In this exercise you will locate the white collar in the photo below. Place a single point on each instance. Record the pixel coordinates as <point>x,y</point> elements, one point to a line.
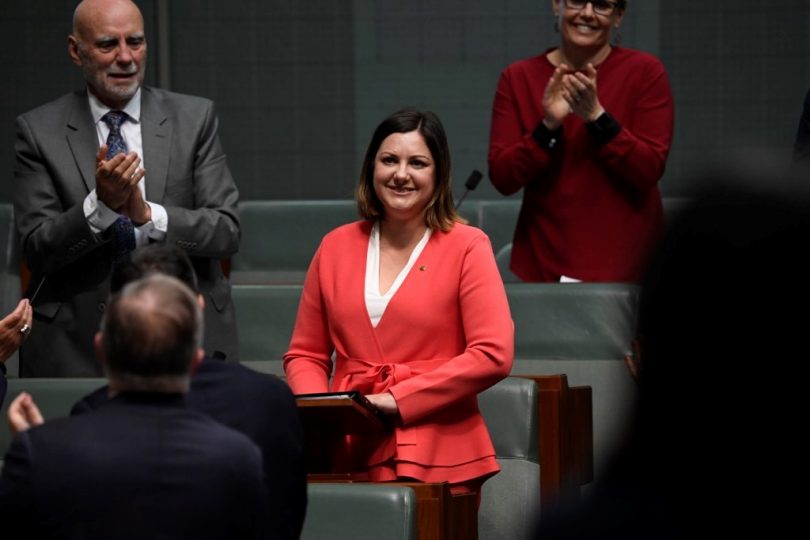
<point>98,109</point>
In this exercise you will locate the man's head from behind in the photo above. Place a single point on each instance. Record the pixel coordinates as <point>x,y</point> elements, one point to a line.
<point>151,336</point>
<point>109,45</point>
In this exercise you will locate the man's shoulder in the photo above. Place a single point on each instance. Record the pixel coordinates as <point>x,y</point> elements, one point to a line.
<point>173,100</point>
<point>127,431</point>
<point>236,378</point>
<point>91,401</point>
<point>56,109</point>
<point>126,414</point>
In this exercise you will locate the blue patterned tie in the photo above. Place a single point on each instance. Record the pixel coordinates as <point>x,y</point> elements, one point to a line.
<point>123,232</point>
<point>115,142</point>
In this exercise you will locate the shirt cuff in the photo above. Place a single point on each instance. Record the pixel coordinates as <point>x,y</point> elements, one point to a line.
<point>155,229</point>
<point>99,216</point>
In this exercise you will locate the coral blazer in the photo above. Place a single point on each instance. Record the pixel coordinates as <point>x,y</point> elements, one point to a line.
<point>446,335</point>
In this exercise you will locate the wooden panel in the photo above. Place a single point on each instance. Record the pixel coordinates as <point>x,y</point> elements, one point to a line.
<point>565,439</point>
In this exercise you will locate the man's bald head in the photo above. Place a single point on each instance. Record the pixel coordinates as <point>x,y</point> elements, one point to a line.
<point>109,45</point>
<point>89,12</point>
<point>151,334</point>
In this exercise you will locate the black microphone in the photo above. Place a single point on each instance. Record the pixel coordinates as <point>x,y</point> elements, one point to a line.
<point>471,183</point>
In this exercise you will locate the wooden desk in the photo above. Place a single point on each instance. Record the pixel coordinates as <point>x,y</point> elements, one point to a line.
<point>440,515</point>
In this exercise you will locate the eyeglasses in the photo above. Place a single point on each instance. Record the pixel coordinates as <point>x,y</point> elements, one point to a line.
<point>601,7</point>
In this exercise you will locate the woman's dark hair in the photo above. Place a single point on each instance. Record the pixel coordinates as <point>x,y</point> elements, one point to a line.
<point>440,213</point>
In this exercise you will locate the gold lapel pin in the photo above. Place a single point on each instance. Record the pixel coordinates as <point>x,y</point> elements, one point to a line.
<point>422,268</point>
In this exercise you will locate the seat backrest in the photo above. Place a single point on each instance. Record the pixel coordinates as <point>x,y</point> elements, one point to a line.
<point>265,317</point>
<point>279,238</point>
<point>583,330</point>
<point>502,258</point>
<point>510,501</point>
<point>359,512</point>
<point>498,220</point>
<point>54,397</point>
<point>471,211</point>
<point>573,320</point>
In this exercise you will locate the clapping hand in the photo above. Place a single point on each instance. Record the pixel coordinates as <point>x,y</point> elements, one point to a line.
<point>136,209</point>
<point>579,92</point>
<point>555,104</point>
<point>117,178</point>
<point>23,413</point>
<point>14,329</point>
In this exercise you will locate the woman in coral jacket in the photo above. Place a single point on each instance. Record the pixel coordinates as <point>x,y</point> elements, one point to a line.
<point>584,129</point>
<point>411,303</point>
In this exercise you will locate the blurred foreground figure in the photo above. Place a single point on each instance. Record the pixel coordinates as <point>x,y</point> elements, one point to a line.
<point>716,445</point>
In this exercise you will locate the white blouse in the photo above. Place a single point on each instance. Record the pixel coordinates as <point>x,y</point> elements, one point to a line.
<point>376,302</point>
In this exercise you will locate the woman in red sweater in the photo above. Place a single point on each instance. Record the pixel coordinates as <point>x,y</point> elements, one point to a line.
<point>584,129</point>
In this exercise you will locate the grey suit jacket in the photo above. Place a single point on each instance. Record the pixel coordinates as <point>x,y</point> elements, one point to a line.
<point>187,173</point>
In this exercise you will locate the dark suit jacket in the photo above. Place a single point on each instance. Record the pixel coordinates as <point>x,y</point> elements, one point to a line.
<point>144,466</point>
<point>263,408</point>
<point>54,171</point>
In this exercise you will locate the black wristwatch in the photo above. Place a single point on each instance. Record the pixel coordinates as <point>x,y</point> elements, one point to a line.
<point>604,128</point>
<point>550,140</point>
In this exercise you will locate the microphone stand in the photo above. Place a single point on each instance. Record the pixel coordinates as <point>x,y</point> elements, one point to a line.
<point>471,183</point>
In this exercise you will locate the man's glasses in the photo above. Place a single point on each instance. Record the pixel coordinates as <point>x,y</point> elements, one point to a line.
<point>601,7</point>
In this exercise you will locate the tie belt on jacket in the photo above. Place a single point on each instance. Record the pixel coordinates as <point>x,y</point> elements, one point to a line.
<point>373,378</point>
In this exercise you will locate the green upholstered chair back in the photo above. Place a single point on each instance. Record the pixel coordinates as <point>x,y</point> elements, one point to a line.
<point>498,219</point>
<point>509,408</point>
<point>359,512</point>
<point>54,397</point>
<point>583,330</point>
<point>471,211</point>
<point>265,316</point>
<point>511,499</point>
<point>503,258</point>
<point>573,320</point>
<point>279,238</point>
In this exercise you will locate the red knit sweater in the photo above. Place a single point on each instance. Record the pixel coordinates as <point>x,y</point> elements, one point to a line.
<point>589,212</point>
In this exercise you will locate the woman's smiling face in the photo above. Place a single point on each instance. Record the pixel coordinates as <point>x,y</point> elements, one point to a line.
<point>404,175</point>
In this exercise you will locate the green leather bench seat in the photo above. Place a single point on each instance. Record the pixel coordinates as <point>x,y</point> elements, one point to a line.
<point>359,512</point>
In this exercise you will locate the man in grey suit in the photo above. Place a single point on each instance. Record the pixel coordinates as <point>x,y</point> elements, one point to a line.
<point>95,168</point>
